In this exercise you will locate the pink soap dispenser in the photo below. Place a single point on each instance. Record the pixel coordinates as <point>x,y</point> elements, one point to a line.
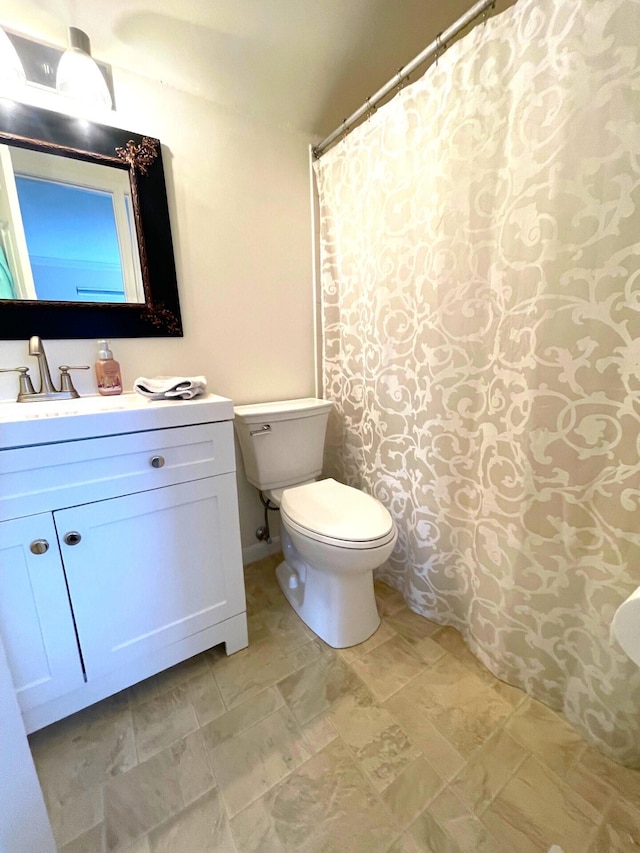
<point>107,371</point>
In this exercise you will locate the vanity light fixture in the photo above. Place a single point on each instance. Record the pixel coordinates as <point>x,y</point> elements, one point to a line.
<point>11,71</point>
<point>78,76</point>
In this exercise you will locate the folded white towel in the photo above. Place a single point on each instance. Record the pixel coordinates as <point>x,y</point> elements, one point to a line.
<point>170,387</point>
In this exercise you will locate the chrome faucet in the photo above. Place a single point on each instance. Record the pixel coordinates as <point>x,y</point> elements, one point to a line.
<point>36,349</point>
<point>47,390</point>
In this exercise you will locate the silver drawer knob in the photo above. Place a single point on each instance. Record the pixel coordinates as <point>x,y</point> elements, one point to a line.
<point>72,537</point>
<point>157,461</point>
<point>39,546</point>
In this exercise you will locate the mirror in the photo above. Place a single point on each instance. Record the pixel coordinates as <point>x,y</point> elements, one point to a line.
<point>66,230</point>
<point>85,238</point>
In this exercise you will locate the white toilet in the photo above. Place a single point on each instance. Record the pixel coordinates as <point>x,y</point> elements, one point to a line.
<point>333,536</point>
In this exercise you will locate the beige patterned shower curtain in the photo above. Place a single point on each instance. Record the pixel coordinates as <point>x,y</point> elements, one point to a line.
<point>480,255</point>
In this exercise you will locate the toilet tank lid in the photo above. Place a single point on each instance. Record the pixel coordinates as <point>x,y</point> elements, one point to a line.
<point>337,511</point>
<point>305,407</point>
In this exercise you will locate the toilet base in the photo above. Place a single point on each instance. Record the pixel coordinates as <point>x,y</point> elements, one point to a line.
<point>340,610</point>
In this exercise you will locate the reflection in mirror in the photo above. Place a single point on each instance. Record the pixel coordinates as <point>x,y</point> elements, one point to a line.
<point>67,230</point>
<point>102,268</point>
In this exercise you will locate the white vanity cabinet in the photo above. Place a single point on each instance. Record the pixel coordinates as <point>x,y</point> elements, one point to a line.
<point>120,553</point>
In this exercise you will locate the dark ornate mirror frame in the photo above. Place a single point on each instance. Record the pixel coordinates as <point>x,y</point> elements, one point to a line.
<point>159,316</point>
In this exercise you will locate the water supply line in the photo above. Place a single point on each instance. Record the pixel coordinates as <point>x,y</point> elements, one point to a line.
<point>263,533</point>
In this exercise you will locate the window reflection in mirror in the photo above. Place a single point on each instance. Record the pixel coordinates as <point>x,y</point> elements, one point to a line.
<point>67,230</point>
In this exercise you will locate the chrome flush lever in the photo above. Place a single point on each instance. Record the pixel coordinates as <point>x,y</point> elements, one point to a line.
<point>265,428</point>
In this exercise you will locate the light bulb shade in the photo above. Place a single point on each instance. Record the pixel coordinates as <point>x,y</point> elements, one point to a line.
<point>11,70</point>
<point>78,76</point>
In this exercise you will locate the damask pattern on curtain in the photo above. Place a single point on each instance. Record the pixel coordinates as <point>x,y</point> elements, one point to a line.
<point>480,254</point>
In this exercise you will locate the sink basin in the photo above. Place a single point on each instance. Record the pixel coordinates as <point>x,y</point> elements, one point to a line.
<point>24,424</point>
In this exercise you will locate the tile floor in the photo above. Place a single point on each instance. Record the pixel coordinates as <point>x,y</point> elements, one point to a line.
<point>400,745</point>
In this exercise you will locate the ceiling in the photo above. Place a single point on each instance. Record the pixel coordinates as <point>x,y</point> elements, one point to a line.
<point>304,64</point>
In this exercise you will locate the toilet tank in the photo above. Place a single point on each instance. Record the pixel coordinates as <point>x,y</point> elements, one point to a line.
<point>282,443</point>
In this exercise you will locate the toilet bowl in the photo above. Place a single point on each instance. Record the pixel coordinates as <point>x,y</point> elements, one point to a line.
<point>333,536</point>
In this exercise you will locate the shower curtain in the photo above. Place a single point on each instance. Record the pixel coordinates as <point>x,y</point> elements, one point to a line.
<point>480,267</point>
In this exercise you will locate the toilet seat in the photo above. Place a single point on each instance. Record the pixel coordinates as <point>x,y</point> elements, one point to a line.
<point>338,515</point>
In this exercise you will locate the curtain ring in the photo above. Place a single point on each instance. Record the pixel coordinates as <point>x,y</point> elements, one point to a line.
<point>370,110</point>
<point>402,80</point>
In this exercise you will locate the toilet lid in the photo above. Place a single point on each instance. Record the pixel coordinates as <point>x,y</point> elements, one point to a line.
<point>332,510</point>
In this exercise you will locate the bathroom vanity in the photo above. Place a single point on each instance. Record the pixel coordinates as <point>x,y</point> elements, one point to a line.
<point>119,544</point>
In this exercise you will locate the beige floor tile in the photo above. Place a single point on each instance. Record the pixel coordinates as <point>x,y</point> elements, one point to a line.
<point>545,734</point>
<point>242,717</point>
<point>255,830</point>
<point>189,762</point>
<point>417,631</point>
<point>432,838</point>
<point>77,814</point>
<point>388,667</point>
<point>358,719</point>
<point>94,842</point>
<point>314,761</point>
<point>139,846</point>
<point>287,626</point>
<point>405,844</point>
<point>261,586</point>
<point>383,633</point>
<point>143,691</point>
<point>620,830</point>
<point>412,790</point>
<point>202,827</point>
<point>256,628</point>
<point>83,750</point>
<point>319,731</point>
<point>452,642</point>
<point>89,842</point>
<point>181,672</point>
<point>488,769</point>
<point>317,687</point>
<point>416,723</point>
<point>385,756</point>
<point>249,671</point>
<point>389,600</point>
<point>463,709</point>
<point>138,801</point>
<point>308,652</point>
<point>323,807</point>
<point>204,696</point>
<point>624,780</point>
<point>380,746</point>
<point>591,788</point>
<point>535,809</point>
<point>162,720</point>
<point>463,827</point>
<point>258,758</point>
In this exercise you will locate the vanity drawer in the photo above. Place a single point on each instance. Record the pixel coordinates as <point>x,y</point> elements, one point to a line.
<point>51,476</point>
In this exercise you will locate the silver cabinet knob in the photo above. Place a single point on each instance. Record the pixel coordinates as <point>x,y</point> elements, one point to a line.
<point>39,546</point>
<point>157,461</point>
<point>72,537</point>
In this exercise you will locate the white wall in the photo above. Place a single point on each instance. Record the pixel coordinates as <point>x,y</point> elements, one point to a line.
<point>240,214</point>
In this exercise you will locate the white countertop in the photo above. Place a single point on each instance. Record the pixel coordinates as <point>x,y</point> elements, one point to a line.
<point>23,424</point>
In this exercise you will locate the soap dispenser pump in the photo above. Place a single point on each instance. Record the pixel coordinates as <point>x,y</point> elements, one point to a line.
<point>107,371</point>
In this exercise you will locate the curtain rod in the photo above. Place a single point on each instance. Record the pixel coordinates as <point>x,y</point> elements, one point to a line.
<point>437,46</point>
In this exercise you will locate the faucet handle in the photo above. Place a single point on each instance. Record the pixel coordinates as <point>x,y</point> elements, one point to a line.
<point>26,385</point>
<point>66,383</point>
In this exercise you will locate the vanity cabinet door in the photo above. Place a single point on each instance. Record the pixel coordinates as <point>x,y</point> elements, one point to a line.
<point>35,617</point>
<point>149,569</point>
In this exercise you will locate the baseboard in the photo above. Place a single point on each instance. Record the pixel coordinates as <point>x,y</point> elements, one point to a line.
<point>260,550</point>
